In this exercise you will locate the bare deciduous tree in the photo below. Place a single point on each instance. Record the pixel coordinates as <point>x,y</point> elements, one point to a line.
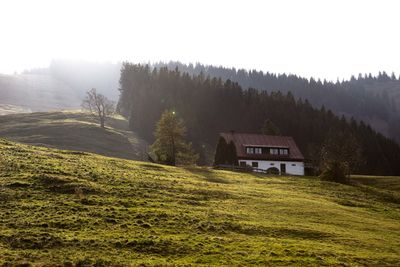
<point>99,105</point>
<point>341,154</point>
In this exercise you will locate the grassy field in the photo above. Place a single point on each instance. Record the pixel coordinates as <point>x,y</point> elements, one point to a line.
<point>74,131</point>
<point>78,209</point>
<point>383,182</point>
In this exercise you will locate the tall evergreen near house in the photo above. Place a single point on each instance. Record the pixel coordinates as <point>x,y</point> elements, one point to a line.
<point>232,156</point>
<point>225,154</point>
<point>220,152</point>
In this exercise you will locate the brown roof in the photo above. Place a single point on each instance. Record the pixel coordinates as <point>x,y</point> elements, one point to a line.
<point>241,140</point>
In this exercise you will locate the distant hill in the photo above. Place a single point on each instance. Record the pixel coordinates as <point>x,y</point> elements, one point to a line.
<point>74,131</point>
<point>82,76</point>
<point>36,92</point>
<point>80,209</point>
<point>61,86</point>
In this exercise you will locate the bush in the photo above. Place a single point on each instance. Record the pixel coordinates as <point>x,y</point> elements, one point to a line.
<point>335,172</point>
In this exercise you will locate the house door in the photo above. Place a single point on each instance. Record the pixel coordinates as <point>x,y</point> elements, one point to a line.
<point>283,168</point>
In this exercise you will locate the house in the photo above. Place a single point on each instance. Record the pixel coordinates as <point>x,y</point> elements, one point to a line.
<point>274,154</point>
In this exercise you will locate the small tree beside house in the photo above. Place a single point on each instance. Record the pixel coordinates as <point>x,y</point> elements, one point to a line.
<point>170,146</point>
<point>98,105</point>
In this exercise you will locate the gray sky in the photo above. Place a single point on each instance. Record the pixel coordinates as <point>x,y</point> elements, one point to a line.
<point>322,38</point>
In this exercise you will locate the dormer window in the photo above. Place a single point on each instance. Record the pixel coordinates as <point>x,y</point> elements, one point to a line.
<point>250,150</point>
<point>274,151</point>
<point>254,150</point>
<point>267,151</point>
<point>284,151</point>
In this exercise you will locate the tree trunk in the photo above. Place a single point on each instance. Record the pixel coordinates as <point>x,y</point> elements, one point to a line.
<point>173,152</point>
<point>102,122</point>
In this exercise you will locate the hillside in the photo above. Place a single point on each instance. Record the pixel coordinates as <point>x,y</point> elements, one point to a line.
<point>65,208</point>
<point>36,92</point>
<point>61,86</point>
<point>74,131</point>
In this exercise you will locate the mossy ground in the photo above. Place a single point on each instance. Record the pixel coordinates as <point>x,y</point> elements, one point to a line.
<point>72,208</point>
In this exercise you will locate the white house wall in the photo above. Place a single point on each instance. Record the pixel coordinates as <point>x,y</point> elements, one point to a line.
<point>292,167</point>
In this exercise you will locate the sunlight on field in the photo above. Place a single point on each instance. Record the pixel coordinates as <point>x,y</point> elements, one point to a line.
<point>78,208</point>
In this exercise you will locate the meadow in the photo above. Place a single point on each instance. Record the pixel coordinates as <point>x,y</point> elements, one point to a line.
<point>74,130</point>
<point>69,208</point>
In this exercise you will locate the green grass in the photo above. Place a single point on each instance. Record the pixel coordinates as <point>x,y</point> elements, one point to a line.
<point>74,131</point>
<point>383,182</point>
<point>70,208</point>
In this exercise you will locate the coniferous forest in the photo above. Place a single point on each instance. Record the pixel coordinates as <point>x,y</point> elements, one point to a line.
<point>212,105</point>
<point>366,97</point>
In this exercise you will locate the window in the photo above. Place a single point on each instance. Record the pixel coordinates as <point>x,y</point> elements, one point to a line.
<point>253,150</point>
<point>293,164</point>
<point>283,151</point>
<point>274,151</point>
<point>243,163</point>
<point>250,150</point>
<point>254,164</point>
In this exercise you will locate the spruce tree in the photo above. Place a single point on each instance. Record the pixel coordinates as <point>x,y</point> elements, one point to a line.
<point>220,152</point>
<point>170,145</point>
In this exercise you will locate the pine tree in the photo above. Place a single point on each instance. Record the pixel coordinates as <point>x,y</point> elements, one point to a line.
<point>170,145</point>
<point>220,152</point>
<point>231,154</point>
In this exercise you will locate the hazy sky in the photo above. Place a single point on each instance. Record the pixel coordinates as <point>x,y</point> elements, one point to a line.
<point>322,38</point>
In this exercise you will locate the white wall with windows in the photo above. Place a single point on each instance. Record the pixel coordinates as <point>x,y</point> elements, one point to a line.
<point>292,167</point>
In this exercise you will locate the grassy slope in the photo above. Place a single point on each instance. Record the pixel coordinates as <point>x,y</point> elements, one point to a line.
<point>132,213</point>
<point>383,182</point>
<point>73,131</point>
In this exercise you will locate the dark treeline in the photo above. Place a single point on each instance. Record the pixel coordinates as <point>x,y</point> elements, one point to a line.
<point>366,97</point>
<point>211,105</point>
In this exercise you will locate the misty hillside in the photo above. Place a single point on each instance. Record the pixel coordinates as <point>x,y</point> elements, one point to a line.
<point>35,92</point>
<point>83,75</point>
<point>61,86</point>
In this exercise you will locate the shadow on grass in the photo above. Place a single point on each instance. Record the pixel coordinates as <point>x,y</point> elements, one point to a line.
<point>207,174</point>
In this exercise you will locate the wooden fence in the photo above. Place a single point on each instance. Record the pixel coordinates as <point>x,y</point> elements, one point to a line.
<point>242,169</point>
